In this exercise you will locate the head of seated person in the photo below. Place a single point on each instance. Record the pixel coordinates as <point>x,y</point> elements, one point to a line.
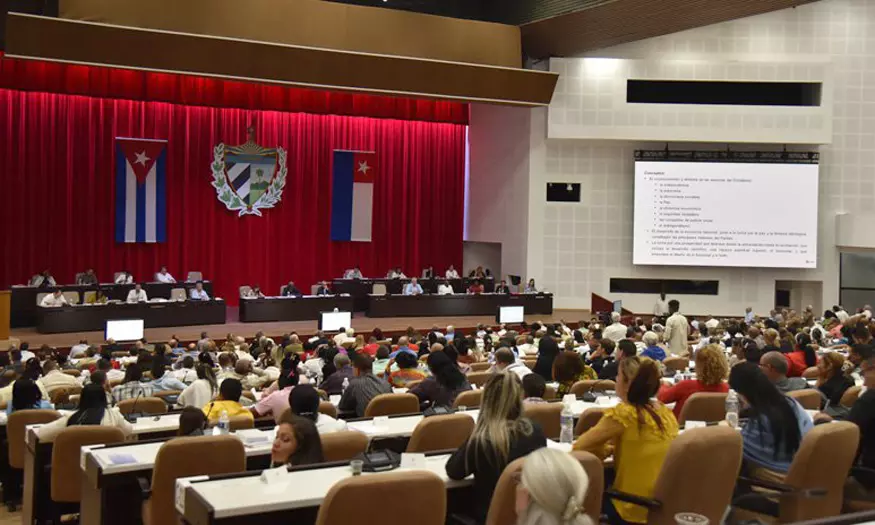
<point>552,490</point>
<point>92,406</point>
<point>504,358</point>
<point>26,395</point>
<point>192,422</point>
<point>297,442</point>
<point>133,373</point>
<point>534,387</point>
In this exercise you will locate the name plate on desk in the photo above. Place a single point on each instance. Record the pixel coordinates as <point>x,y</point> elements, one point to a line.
<point>416,461</point>
<point>381,421</point>
<point>181,485</point>
<point>272,476</point>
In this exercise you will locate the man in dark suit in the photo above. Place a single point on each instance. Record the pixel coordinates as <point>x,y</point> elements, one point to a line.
<point>502,287</point>
<point>290,290</point>
<point>323,289</point>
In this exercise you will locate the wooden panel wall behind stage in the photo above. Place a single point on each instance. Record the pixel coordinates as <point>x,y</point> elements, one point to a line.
<point>316,23</point>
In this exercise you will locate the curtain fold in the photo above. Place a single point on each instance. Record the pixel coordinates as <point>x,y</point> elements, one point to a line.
<point>57,173</point>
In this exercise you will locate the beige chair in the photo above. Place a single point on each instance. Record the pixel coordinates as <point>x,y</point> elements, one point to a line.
<point>850,396</point>
<point>184,457</point>
<point>809,398</point>
<point>441,433</point>
<point>478,378</point>
<point>595,471</point>
<point>40,296</point>
<point>61,396</point>
<point>71,296</point>
<point>66,472</point>
<point>820,468</point>
<point>595,385</point>
<point>244,291</point>
<point>588,419</point>
<point>424,498</point>
<point>704,406</point>
<point>164,394</point>
<point>194,277</point>
<point>468,398</point>
<point>546,415</point>
<point>143,405</point>
<point>328,408</point>
<point>390,404</point>
<point>811,373</point>
<point>675,364</point>
<point>343,445</point>
<point>480,367</point>
<point>549,393</point>
<point>378,289</point>
<point>72,372</point>
<point>240,423</point>
<point>89,297</point>
<point>314,289</point>
<point>178,294</point>
<point>15,425</point>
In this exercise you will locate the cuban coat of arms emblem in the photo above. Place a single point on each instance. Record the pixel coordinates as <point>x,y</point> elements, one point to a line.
<point>249,177</point>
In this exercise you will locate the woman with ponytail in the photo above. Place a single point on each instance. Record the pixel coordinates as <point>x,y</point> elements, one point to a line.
<point>638,431</point>
<point>552,489</point>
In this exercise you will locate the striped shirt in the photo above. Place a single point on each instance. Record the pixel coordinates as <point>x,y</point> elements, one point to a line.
<point>131,390</point>
<point>360,391</point>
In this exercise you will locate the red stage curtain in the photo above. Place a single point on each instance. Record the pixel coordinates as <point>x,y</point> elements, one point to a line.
<point>57,175</point>
<point>52,77</point>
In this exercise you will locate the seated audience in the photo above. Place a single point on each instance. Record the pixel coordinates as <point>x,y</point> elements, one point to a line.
<point>548,350</point>
<point>445,383</point>
<point>534,389</point>
<point>711,372</point>
<point>131,387</point>
<point>202,390</point>
<point>802,357</point>
<point>775,366</point>
<point>304,401</point>
<point>363,387</point>
<point>408,371</point>
<point>26,395</point>
<point>832,380</point>
<point>616,330</point>
<point>505,361</point>
<point>500,436</point>
<point>382,361</point>
<point>53,379</point>
<point>333,383</point>
<point>552,490</point>
<point>625,348</point>
<point>297,442</point>
<point>277,402</point>
<point>186,373</point>
<point>228,401</point>
<point>162,381</point>
<point>651,347</point>
<point>568,369</point>
<point>192,422</point>
<point>640,430</point>
<point>92,411</point>
<point>603,355</point>
<point>776,423</point>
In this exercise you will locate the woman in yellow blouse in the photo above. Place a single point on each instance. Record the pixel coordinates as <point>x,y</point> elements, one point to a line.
<point>638,431</point>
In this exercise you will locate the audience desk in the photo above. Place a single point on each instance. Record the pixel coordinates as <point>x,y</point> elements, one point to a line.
<point>455,305</point>
<point>360,289</point>
<point>306,308</point>
<point>25,306</point>
<point>86,318</point>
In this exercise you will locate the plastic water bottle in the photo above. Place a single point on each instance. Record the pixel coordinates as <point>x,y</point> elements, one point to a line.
<point>678,377</point>
<point>732,409</point>
<point>224,423</point>
<point>566,424</point>
<point>345,384</point>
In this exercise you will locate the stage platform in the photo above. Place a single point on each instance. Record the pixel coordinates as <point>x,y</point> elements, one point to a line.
<point>361,323</point>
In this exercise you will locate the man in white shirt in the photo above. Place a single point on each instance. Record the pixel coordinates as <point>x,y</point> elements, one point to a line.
<point>355,273</point>
<point>528,347</point>
<point>343,335</point>
<point>77,351</point>
<point>616,330</point>
<point>505,361</point>
<point>451,333</point>
<point>445,289</point>
<point>54,379</point>
<point>55,298</point>
<point>413,288</point>
<point>42,280</point>
<point>841,314</point>
<point>124,277</point>
<point>198,293</point>
<point>711,323</point>
<point>661,307</point>
<point>164,276</point>
<point>677,330</point>
<point>137,295</point>
<point>452,273</point>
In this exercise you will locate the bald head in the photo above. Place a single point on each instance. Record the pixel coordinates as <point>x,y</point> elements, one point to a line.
<point>403,341</point>
<point>774,365</point>
<point>437,347</point>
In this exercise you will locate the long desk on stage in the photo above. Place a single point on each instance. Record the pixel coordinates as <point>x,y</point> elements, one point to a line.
<point>360,289</point>
<point>460,304</point>
<point>25,307</point>
<point>88,318</point>
<point>306,308</point>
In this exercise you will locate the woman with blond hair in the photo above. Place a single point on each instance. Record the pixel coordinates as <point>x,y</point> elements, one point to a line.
<point>831,379</point>
<point>638,431</point>
<point>552,489</point>
<point>711,372</point>
<point>500,436</point>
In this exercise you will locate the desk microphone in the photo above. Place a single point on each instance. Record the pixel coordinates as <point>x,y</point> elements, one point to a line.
<point>132,415</point>
<point>589,396</point>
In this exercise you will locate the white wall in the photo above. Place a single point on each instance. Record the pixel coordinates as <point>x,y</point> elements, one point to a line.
<point>574,250</point>
<point>498,187</point>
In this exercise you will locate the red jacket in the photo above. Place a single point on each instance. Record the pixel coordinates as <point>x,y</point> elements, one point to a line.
<point>796,362</point>
<point>679,393</point>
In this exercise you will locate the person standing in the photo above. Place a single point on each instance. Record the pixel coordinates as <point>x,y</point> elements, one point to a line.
<point>677,330</point>
<point>660,309</point>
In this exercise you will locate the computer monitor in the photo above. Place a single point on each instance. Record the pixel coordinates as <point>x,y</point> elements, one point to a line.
<point>125,329</point>
<point>510,314</point>
<point>334,321</point>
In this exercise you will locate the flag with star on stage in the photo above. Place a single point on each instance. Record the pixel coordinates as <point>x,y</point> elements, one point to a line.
<point>140,190</point>
<point>352,195</point>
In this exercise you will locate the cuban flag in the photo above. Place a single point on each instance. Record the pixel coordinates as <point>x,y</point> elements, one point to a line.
<point>352,195</point>
<point>140,190</point>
